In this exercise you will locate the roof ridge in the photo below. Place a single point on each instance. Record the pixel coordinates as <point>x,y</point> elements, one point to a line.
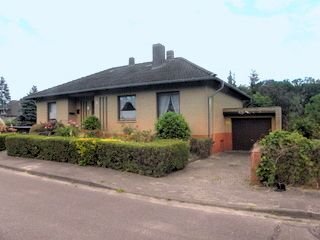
<point>108,69</point>
<point>196,66</point>
<point>122,67</point>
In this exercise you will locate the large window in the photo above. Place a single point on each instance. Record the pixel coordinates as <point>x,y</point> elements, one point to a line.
<point>127,108</point>
<point>52,111</point>
<point>168,102</point>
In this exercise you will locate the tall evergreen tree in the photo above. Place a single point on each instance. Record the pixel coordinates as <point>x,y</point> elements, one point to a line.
<point>4,96</point>
<point>232,79</point>
<point>28,115</point>
<point>254,79</point>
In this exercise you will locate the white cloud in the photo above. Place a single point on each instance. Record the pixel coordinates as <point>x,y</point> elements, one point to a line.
<point>272,5</point>
<point>236,3</point>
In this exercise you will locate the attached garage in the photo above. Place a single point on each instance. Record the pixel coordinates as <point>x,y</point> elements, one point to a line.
<point>246,131</point>
<point>248,125</point>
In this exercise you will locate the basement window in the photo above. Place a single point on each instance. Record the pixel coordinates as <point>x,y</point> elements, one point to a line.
<point>127,108</point>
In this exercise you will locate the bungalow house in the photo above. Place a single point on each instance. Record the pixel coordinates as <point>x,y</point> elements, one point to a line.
<point>138,93</point>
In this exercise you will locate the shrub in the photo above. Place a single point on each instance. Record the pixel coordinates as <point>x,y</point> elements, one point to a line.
<point>303,126</point>
<point>307,127</point>
<point>11,122</point>
<point>47,128</point>
<point>201,146</point>
<point>315,158</point>
<point>37,128</point>
<point>285,158</point>
<point>86,149</point>
<point>172,126</point>
<point>91,134</point>
<point>66,131</point>
<point>154,159</point>
<point>3,140</point>
<point>69,130</point>
<point>266,171</point>
<point>136,135</point>
<point>52,125</point>
<point>3,128</point>
<point>91,123</point>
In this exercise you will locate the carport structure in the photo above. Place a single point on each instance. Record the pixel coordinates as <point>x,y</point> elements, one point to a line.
<point>248,125</point>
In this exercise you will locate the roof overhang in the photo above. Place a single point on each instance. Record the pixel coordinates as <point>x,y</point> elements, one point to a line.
<point>212,81</point>
<point>247,112</point>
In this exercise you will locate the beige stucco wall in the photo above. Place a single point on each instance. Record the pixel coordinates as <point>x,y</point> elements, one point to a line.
<point>278,119</point>
<point>62,110</point>
<point>193,106</point>
<point>42,111</point>
<point>221,101</point>
<point>145,113</point>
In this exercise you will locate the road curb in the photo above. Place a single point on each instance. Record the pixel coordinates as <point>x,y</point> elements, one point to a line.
<point>298,214</point>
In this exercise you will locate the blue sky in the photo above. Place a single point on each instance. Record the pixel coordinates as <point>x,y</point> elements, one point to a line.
<point>45,43</point>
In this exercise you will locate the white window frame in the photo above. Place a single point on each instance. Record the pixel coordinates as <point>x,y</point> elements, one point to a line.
<point>52,111</point>
<point>168,94</point>
<point>120,115</point>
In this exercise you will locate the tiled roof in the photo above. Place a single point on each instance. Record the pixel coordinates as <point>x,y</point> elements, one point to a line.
<point>173,70</point>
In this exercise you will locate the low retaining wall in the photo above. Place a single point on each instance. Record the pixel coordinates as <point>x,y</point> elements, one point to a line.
<point>255,159</point>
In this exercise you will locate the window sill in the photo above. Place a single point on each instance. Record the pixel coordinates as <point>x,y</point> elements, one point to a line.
<point>127,121</point>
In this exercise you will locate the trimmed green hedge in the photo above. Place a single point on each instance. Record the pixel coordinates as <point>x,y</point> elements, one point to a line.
<point>3,140</point>
<point>154,159</point>
<point>201,146</point>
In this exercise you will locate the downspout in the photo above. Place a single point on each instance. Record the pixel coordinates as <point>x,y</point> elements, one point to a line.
<point>210,108</point>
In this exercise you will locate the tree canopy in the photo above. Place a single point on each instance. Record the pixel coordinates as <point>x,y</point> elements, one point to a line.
<point>296,97</point>
<point>254,79</point>
<point>232,79</point>
<point>4,96</point>
<point>28,115</point>
<point>312,109</point>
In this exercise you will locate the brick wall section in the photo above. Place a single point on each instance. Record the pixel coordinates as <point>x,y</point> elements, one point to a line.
<point>223,142</point>
<point>255,159</point>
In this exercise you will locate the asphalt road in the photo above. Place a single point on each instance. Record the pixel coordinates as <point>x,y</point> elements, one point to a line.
<point>33,208</point>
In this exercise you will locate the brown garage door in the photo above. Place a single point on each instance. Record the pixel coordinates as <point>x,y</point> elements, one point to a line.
<point>246,131</point>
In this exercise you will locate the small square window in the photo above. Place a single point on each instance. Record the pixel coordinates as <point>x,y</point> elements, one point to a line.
<point>168,102</point>
<point>127,108</point>
<point>52,111</point>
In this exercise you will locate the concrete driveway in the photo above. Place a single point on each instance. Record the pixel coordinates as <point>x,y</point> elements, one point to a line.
<point>221,180</point>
